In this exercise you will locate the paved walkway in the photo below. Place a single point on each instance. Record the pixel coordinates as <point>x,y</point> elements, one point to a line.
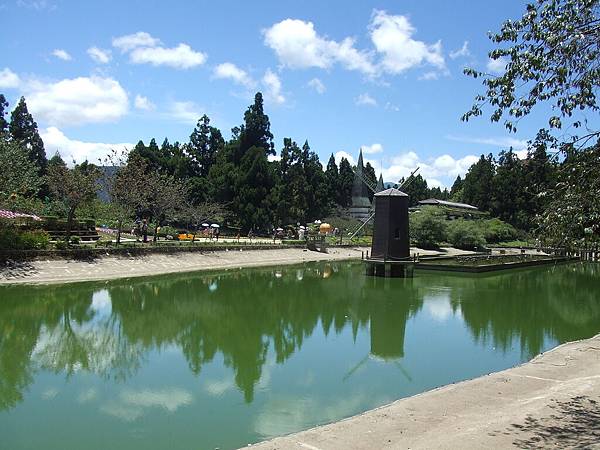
<point>551,402</point>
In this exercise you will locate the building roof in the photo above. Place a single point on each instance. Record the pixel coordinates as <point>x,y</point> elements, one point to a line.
<point>391,192</point>
<point>435,201</point>
<point>6,214</point>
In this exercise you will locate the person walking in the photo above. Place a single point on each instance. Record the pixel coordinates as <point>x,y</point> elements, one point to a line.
<point>145,230</point>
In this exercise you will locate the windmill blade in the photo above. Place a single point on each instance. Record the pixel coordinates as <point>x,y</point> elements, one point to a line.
<point>409,179</point>
<point>363,224</point>
<point>365,180</point>
<point>404,371</point>
<point>356,367</point>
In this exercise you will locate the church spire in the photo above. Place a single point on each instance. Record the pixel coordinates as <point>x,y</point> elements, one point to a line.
<point>380,187</point>
<point>359,165</point>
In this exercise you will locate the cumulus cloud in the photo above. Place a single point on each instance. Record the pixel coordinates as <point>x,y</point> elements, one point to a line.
<point>272,85</point>
<point>392,37</point>
<point>185,112</point>
<point>61,54</point>
<point>461,52</point>
<point>9,79</point>
<point>298,45</point>
<point>74,150</point>
<point>234,73</point>
<point>317,85</point>
<point>143,103</point>
<point>180,57</point>
<point>370,149</point>
<point>130,41</point>
<point>365,100</point>
<point>444,166</point>
<point>497,66</point>
<point>342,154</point>
<point>76,101</point>
<point>146,49</point>
<point>99,55</point>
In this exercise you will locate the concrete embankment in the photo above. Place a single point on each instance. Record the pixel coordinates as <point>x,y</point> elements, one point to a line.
<point>46,271</point>
<point>552,401</point>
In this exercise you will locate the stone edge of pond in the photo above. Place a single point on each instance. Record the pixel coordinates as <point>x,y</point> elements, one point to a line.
<point>496,410</point>
<point>494,267</point>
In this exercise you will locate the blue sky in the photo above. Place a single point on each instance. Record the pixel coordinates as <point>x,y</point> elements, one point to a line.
<point>385,75</point>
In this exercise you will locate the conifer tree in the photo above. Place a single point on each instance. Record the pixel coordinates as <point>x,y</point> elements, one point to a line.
<point>23,129</point>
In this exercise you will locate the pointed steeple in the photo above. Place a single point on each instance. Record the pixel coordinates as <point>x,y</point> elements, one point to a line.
<point>380,187</point>
<point>359,165</point>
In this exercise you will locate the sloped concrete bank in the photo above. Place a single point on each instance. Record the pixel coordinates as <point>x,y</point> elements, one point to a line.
<point>552,401</point>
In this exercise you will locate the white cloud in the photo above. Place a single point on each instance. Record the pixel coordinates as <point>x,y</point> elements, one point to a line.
<point>272,85</point>
<point>185,112</point>
<point>392,37</point>
<point>428,76</point>
<point>317,85</point>
<point>444,166</point>
<point>501,142</point>
<point>365,99</point>
<point>143,103</point>
<point>71,149</point>
<point>461,52</point>
<point>146,49</point>
<point>76,101</point>
<point>129,42</point>
<point>298,46</point>
<point>61,54</point>
<point>370,149</point>
<point>342,154</point>
<point>497,66</point>
<point>231,71</point>
<point>180,57</point>
<point>99,55</point>
<point>38,5</point>
<point>9,79</point>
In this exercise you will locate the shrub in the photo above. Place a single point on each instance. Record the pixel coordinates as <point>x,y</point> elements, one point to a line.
<point>36,239</point>
<point>428,227</point>
<point>465,235</point>
<point>495,230</point>
<point>75,240</point>
<point>60,245</point>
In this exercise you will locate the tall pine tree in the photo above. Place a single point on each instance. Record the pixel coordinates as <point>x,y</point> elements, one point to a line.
<point>23,129</point>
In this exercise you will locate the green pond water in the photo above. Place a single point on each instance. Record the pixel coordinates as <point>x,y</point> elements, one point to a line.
<point>200,361</point>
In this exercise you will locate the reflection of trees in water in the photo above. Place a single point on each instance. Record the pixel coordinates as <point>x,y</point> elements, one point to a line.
<point>527,306</point>
<point>244,314</point>
<point>55,329</point>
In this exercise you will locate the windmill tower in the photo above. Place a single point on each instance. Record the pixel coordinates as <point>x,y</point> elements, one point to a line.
<point>361,205</point>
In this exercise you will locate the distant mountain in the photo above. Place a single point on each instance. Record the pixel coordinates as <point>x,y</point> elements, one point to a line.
<point>107,172</point>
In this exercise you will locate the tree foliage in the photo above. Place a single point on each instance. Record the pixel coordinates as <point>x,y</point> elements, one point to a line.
<point>19,176</point>
<point>552,55</point>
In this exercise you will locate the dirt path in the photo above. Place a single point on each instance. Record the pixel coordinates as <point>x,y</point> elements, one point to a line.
<point>551,402</point>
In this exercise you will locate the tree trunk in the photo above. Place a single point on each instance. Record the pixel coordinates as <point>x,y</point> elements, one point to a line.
<point>119,225</point>
<point>70,215</point>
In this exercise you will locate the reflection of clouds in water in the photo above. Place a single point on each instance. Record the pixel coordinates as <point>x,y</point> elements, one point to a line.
<point>219,387</point>
<point>49,393</point>
<point>284,414</point>
<point>213,286</point>
<point>437,304</point>
<point>101,303</point>
<point>132,404</point>
<point>87,395</point>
